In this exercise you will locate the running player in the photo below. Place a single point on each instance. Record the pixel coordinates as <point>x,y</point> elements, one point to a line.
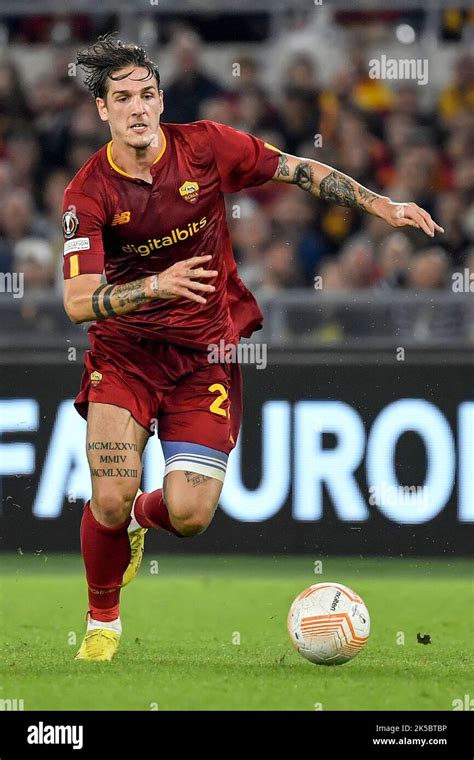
<point>147,210</point>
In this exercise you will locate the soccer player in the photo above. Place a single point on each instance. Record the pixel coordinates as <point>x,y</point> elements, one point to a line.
<point>148,211</point>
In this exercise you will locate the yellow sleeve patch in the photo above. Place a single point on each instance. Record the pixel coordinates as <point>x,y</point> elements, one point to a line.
<point>272,147</point>
<point>74,266</point>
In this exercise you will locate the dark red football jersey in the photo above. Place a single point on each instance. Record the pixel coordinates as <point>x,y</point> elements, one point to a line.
<point>130,228</point>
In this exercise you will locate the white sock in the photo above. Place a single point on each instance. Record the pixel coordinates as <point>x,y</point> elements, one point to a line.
<point>134,524</point>
<point>113,625</point>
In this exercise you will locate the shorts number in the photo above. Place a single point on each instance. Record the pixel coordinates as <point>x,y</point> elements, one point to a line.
<point>216,406</point>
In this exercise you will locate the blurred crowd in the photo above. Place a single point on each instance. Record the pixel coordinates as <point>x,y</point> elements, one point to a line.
<point>381,133</point>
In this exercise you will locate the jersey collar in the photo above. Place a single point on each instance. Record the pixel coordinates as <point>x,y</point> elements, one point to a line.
<point>130,176</point>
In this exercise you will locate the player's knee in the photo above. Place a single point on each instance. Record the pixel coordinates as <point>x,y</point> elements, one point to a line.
<point>113,505</point>
<point>192,525</point>
<point>191,518</point>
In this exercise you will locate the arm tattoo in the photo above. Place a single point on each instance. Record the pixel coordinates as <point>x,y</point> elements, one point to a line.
<point>95,301</point>
<point>155,284</point>
<point>283,168</point>
<point>155,287</point>
<point>335,187</point>
<point>303,176</point>
<point>131,293</point>
<point>128,293</point>
<point>338,188</point>
<point>107,304</point>
<point>367,195</point>
<point>195,478</point>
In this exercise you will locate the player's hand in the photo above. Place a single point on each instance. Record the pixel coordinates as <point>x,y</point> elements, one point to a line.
<point>181,280</point>
<point>409,215</point>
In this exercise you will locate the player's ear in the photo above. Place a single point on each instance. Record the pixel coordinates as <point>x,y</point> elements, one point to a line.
<point>162,102</point>
<point>102,108</point>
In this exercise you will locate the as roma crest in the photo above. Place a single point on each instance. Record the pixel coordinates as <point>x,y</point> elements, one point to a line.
<point>95,378</point>
<point>189,190</point>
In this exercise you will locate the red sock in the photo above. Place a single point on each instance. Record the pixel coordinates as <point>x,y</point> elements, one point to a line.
<point>106,554</point>
<point>151,512</point>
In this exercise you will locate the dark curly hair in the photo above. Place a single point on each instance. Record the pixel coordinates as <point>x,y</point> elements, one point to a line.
<point>107,55</point>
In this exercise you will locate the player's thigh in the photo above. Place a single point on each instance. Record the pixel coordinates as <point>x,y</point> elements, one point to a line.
<point>115,444</point>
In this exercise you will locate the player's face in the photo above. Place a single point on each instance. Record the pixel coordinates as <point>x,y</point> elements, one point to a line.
<point>132,107</point>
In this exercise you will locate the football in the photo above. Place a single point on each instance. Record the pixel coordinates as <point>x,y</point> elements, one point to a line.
<point>328,624</point>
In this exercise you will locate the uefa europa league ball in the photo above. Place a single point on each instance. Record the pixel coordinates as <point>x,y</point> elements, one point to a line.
<point>328,624</point>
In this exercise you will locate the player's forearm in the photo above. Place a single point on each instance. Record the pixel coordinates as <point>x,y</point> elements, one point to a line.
<point>329,184</point>
<point>86,302</point>
<point>109,301</point>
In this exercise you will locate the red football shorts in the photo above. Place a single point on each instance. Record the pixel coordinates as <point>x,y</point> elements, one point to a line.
<point>195,406</point>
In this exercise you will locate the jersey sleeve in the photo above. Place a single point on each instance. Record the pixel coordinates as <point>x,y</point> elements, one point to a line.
<point>242,160</point>
<point>83,222</point>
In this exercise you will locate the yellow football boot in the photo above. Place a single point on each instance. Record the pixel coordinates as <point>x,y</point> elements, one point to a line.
<point>99,645</point>
<point>137,545</point>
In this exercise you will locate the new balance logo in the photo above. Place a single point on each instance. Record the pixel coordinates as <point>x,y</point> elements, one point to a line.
<point>122,217</point>
<point>42,734</point>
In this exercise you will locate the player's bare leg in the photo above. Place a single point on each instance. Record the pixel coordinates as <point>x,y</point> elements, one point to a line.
<point>177,508</point>
<point>184,506</point>
<point>115,443</point>
<point>191,499</point>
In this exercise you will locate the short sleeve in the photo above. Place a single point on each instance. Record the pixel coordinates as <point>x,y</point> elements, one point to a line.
<point>242,160</point>
<point>83,222</point>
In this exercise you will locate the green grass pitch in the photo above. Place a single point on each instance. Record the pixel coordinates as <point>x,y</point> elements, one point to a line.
<point>182,625</point>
